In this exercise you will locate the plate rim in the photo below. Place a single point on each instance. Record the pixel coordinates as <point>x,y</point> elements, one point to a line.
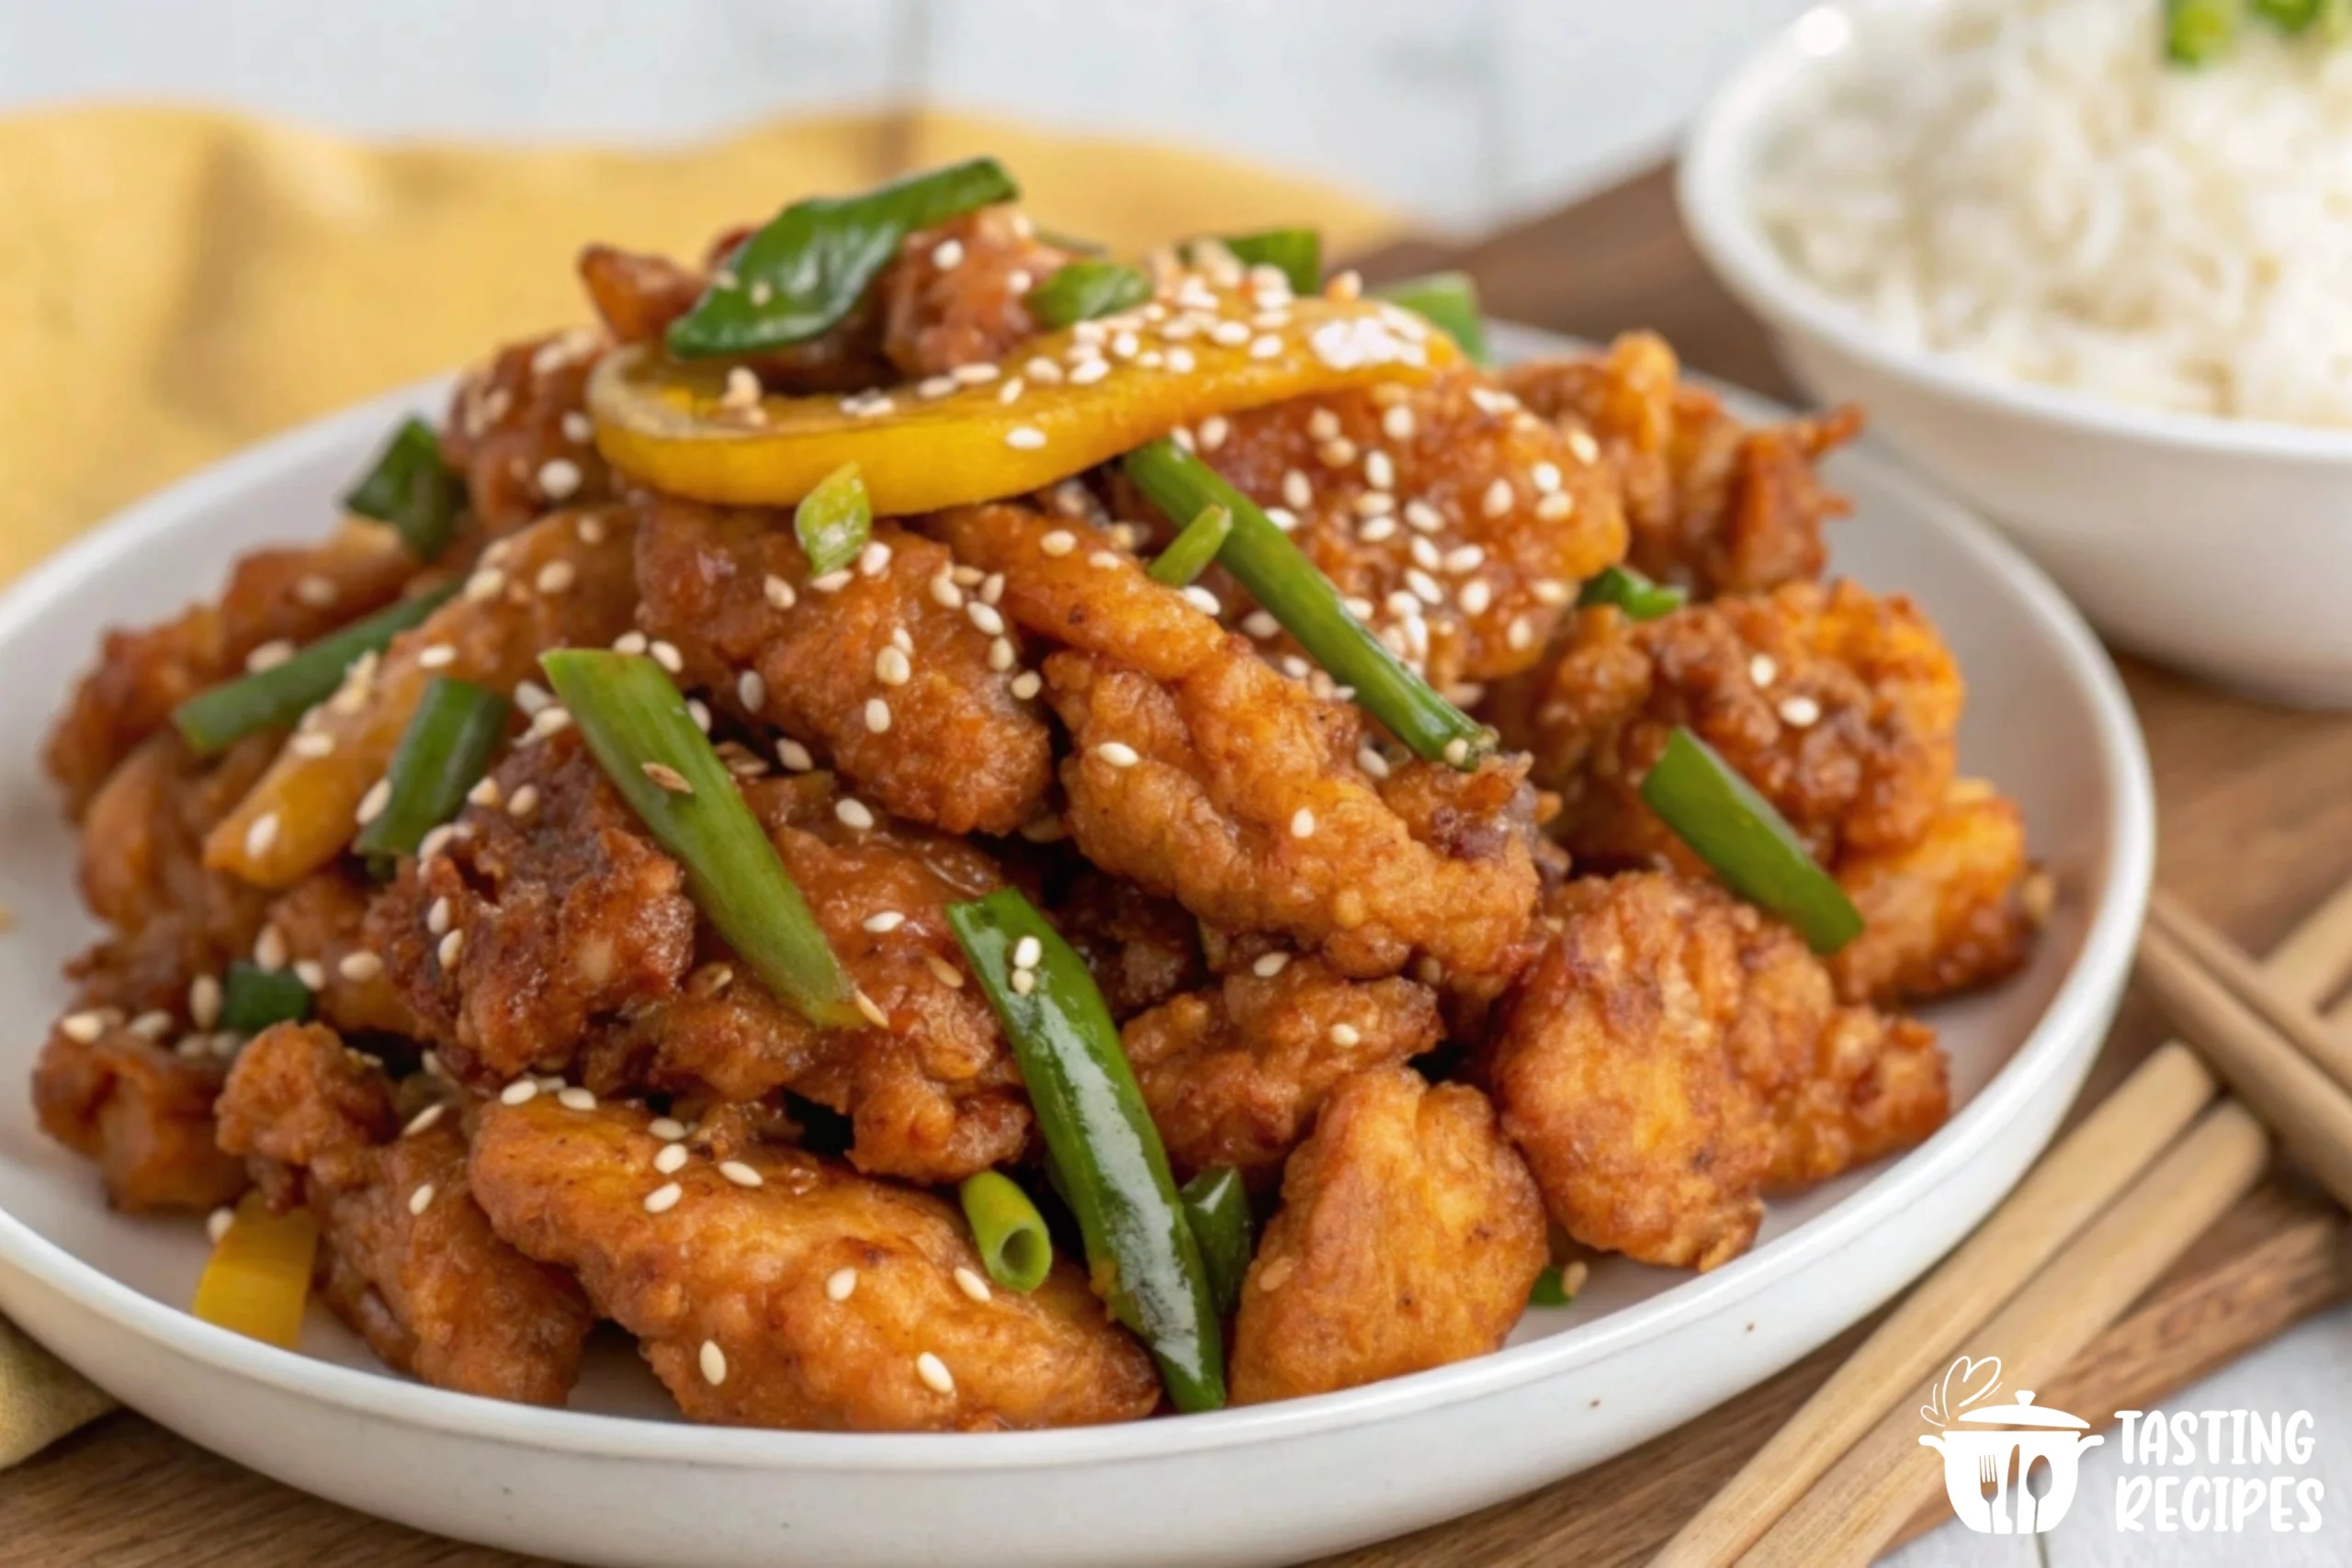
<point>2084,993</point>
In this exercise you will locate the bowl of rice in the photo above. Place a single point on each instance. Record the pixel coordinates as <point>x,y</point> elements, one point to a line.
<point>2104,293</point>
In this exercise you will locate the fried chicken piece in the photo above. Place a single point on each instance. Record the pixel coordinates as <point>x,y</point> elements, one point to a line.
<point>517,430</point>
<point>562,908</point>
<point>323,924</point>
<point>1408,1238</point>
<point>143,848</point>
<point>140,1110</point>
<point>815,1299</point>
<point>1141,949</point>
<point>957,294</point>
<point>1234,1074</point>
<point>1443,491</point>
<point>933,1098</point>
<point>1717,506</point>
<point>1673,1055</point>
<point>288,594</point>
<point>1839,707</point>
<point>732,591</point>
<point>636,295</point>
<point>408,1258</point>
<point>1249,801</point>
<point>1957,909</point>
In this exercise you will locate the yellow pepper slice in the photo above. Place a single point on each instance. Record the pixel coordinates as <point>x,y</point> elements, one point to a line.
<point>259,1275</point>
<point>672,425</point>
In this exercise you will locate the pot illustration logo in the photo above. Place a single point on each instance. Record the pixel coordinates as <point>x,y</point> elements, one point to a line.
<point>2008,1468</point>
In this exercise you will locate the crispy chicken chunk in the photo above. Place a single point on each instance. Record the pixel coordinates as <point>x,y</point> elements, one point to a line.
<point>1715,506</point>
<point>956,748</point>
<point>1249,800</point>
<point>1457,524</point>
<point>286,595</point>
<point>1958,908</point>
<point>1142,950</point>
<point>140,1110</point>
<point>1234,1075</point>
<point>1408,1238</point>
<point>1841,707</point>
<point>1674,1055</point>
<point>143,849</point>
<point>518,431</point>
<point>634,294</point>
<point>409,1259</point>
<point>322,923</point>
<point>814,1299</point>
<point>957,294</point>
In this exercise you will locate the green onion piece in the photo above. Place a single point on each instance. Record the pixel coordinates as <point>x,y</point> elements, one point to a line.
<point>834,520</point>
<point>1077,246</point>
<point>1297,251</point>
<point>253,998</point>
<point>1282,580</point>
<point>274,698</point>
<point>1640,599</point>
<point>1217,1207</point>
<point>636,723</point>
<point>1082,291</point>
<point>1014,1245</point>
<point>2199,32</point>
<point>1449,301</point>
<point>1189,553</point>
<point>2329,18</point>
<point>1139,1248</point>
<point>806,270</point>
<point>1549,1292</point>
<point>412,488</point>
<point>1748,843</point>
<point>443,754</point>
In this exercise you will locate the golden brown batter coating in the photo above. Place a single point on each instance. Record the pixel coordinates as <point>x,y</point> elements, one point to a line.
<point>1234,1074</point>
<point>142,860</point>
<point>1959,908</point>
<point>1249,801</point>
<point>1142,950</point>
<point>323,924</point>
<point>826,1301</point>
<point>1715,506</point>
<point>408,1258</point>
<point>517,430</point>
<point>1673,1055</point>
<point>140,1110</point>
<point>956,294</point>
<point>957,750</point>
<point>1408,1238</point>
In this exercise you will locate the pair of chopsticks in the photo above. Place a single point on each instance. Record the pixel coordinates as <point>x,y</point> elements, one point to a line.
<point>2090,1228</point>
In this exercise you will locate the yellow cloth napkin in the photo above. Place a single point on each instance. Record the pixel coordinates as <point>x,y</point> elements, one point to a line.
<point>176,283</point>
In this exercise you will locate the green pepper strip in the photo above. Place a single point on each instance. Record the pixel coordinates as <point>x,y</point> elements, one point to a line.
<point>634,719</point>
<point>1139,1248</point>
<point>1548,1291</point>
<point>443,754</point>
<point>1082,291</point>
<point>412,488</point>
<point>253,998</point>
<point>1748,843</point>
<point>834,520</point>
<point>1640,599</point>
<point>2300,15</point>
<point>1189,553</point>
<point>806,270</point>
<point>1014,1245</point>
<point>1448,301</point>
<point>2199,32</point>
<point>1282,580</point>
<point>1217,1208</point>
<point>274,698</point>
<point>1298,252</point>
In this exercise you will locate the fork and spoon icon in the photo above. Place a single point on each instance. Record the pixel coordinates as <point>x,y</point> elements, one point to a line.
<point>1990,1482</point>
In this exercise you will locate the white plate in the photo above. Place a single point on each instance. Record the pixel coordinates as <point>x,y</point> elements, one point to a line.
<point>1643,1350</point>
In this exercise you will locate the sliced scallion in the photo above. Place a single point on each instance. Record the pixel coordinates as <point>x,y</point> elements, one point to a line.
<point>412,488</point>
<point>1082,291</point>
<point>274,698</point>
<point>1549,1292</point>
<point>252,999</point>
<point>1189,553</point>
<point>443,754</point>
<point>1636,596</point>
<point>834,520</point>
<point>1014,1245</point>
<point>1297,252</point>
<point>2199,32</point>
<point>1448,301</point>
<point>1218,1206</point>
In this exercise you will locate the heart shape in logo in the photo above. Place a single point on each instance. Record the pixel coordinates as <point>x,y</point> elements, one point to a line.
<point>1970,1380</point>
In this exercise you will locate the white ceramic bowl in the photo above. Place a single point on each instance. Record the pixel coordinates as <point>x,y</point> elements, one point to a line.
<point>616,1479</point>
<point>2222,546</point>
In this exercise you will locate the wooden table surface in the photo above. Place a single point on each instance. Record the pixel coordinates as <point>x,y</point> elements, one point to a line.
<point>2255,827</point>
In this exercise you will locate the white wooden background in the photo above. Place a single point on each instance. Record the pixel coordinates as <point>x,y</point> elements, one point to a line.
<point>1460,112</point>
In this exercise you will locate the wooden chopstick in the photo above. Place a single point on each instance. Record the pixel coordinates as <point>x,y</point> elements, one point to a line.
<point>2077,1178</point>
<point>2226,962</point>
<point>1871,1493</point>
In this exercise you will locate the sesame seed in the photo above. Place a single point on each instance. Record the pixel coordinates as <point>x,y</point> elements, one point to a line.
<point>1520,635</point>
<point>269,948</point>
<point>670,1158</point>
<point>1026,438</point>
<point>436,915</point>
<point>1423,517</point>
<point>630,642</point>
<point>884,922</point>
<point>204,1001</point>
<point>572,1096</point>
<point>664,1198</point>
<point>971,1284</point>
<point>945,256</point>
<point>1269,965</point>
<point>1762,669</point>
<point>360,968</point>
<point>1337,453</point>
<point>986,617</point>
<point>1214,430</point>
<point>524,802</point>
<point>1060,542</point>
<point>934,386</point>
<point>550,720</point>
<point>1000,655</point>
<point>151,1025</point>
<point>1200,598</point>
<point>1457,750</point>
<point>841,1284</point>
<point>438,656</point>
<point>519,1092</point>
<point>1498,499</point>
<point>217,1224</point>
<point>555,577</point>
<point>1297,489</point>
<point>82,1027</point>
<point>794,755</point>
<point>425,1118</point>
<point>945,592</point>
<point>1476,597</point>
<point>751,690</point>
<point>1028,952</point>
<point>872,1010</point>
<point>742,1174</point>
<point>1011,391</point>
<point>877,715</point>
<point>1024,981</point>
<point>313,743</point>
<point>668,777</point>
<point>1376,530</point>
<point>1229,335</point>
<point>1587,449</point>
<point>1424,586</point>
<point>316,592</point>
<point>1085,373</point>
<point>269,656</point>
<point>711,1358</point>
<point>1799,711</point>
<point>779,592</point>
<point>559,478</point>
<point>312,973</point>
<point>743,388</point>
<point>1266,347</point>
<point>666,655</point>
<point>421,1199</point>
<point>1379,470</point>
<point>935,1373</point>
<point>992,588</point>
<point>264,833</point>
<point>1397,424</point>
<point>451,947</point>
<point>875,559</point>
<point>1371,762</point>
<point>852,813</point>
<point>1302,823</point>
<point>1276,1274</point>
<point>1118,753</point>
<point>1555,506</point>
<point>667,1128</point>
<point>1027,684</point>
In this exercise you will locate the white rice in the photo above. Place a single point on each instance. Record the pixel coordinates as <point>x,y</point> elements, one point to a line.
<point>2026,184</point>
